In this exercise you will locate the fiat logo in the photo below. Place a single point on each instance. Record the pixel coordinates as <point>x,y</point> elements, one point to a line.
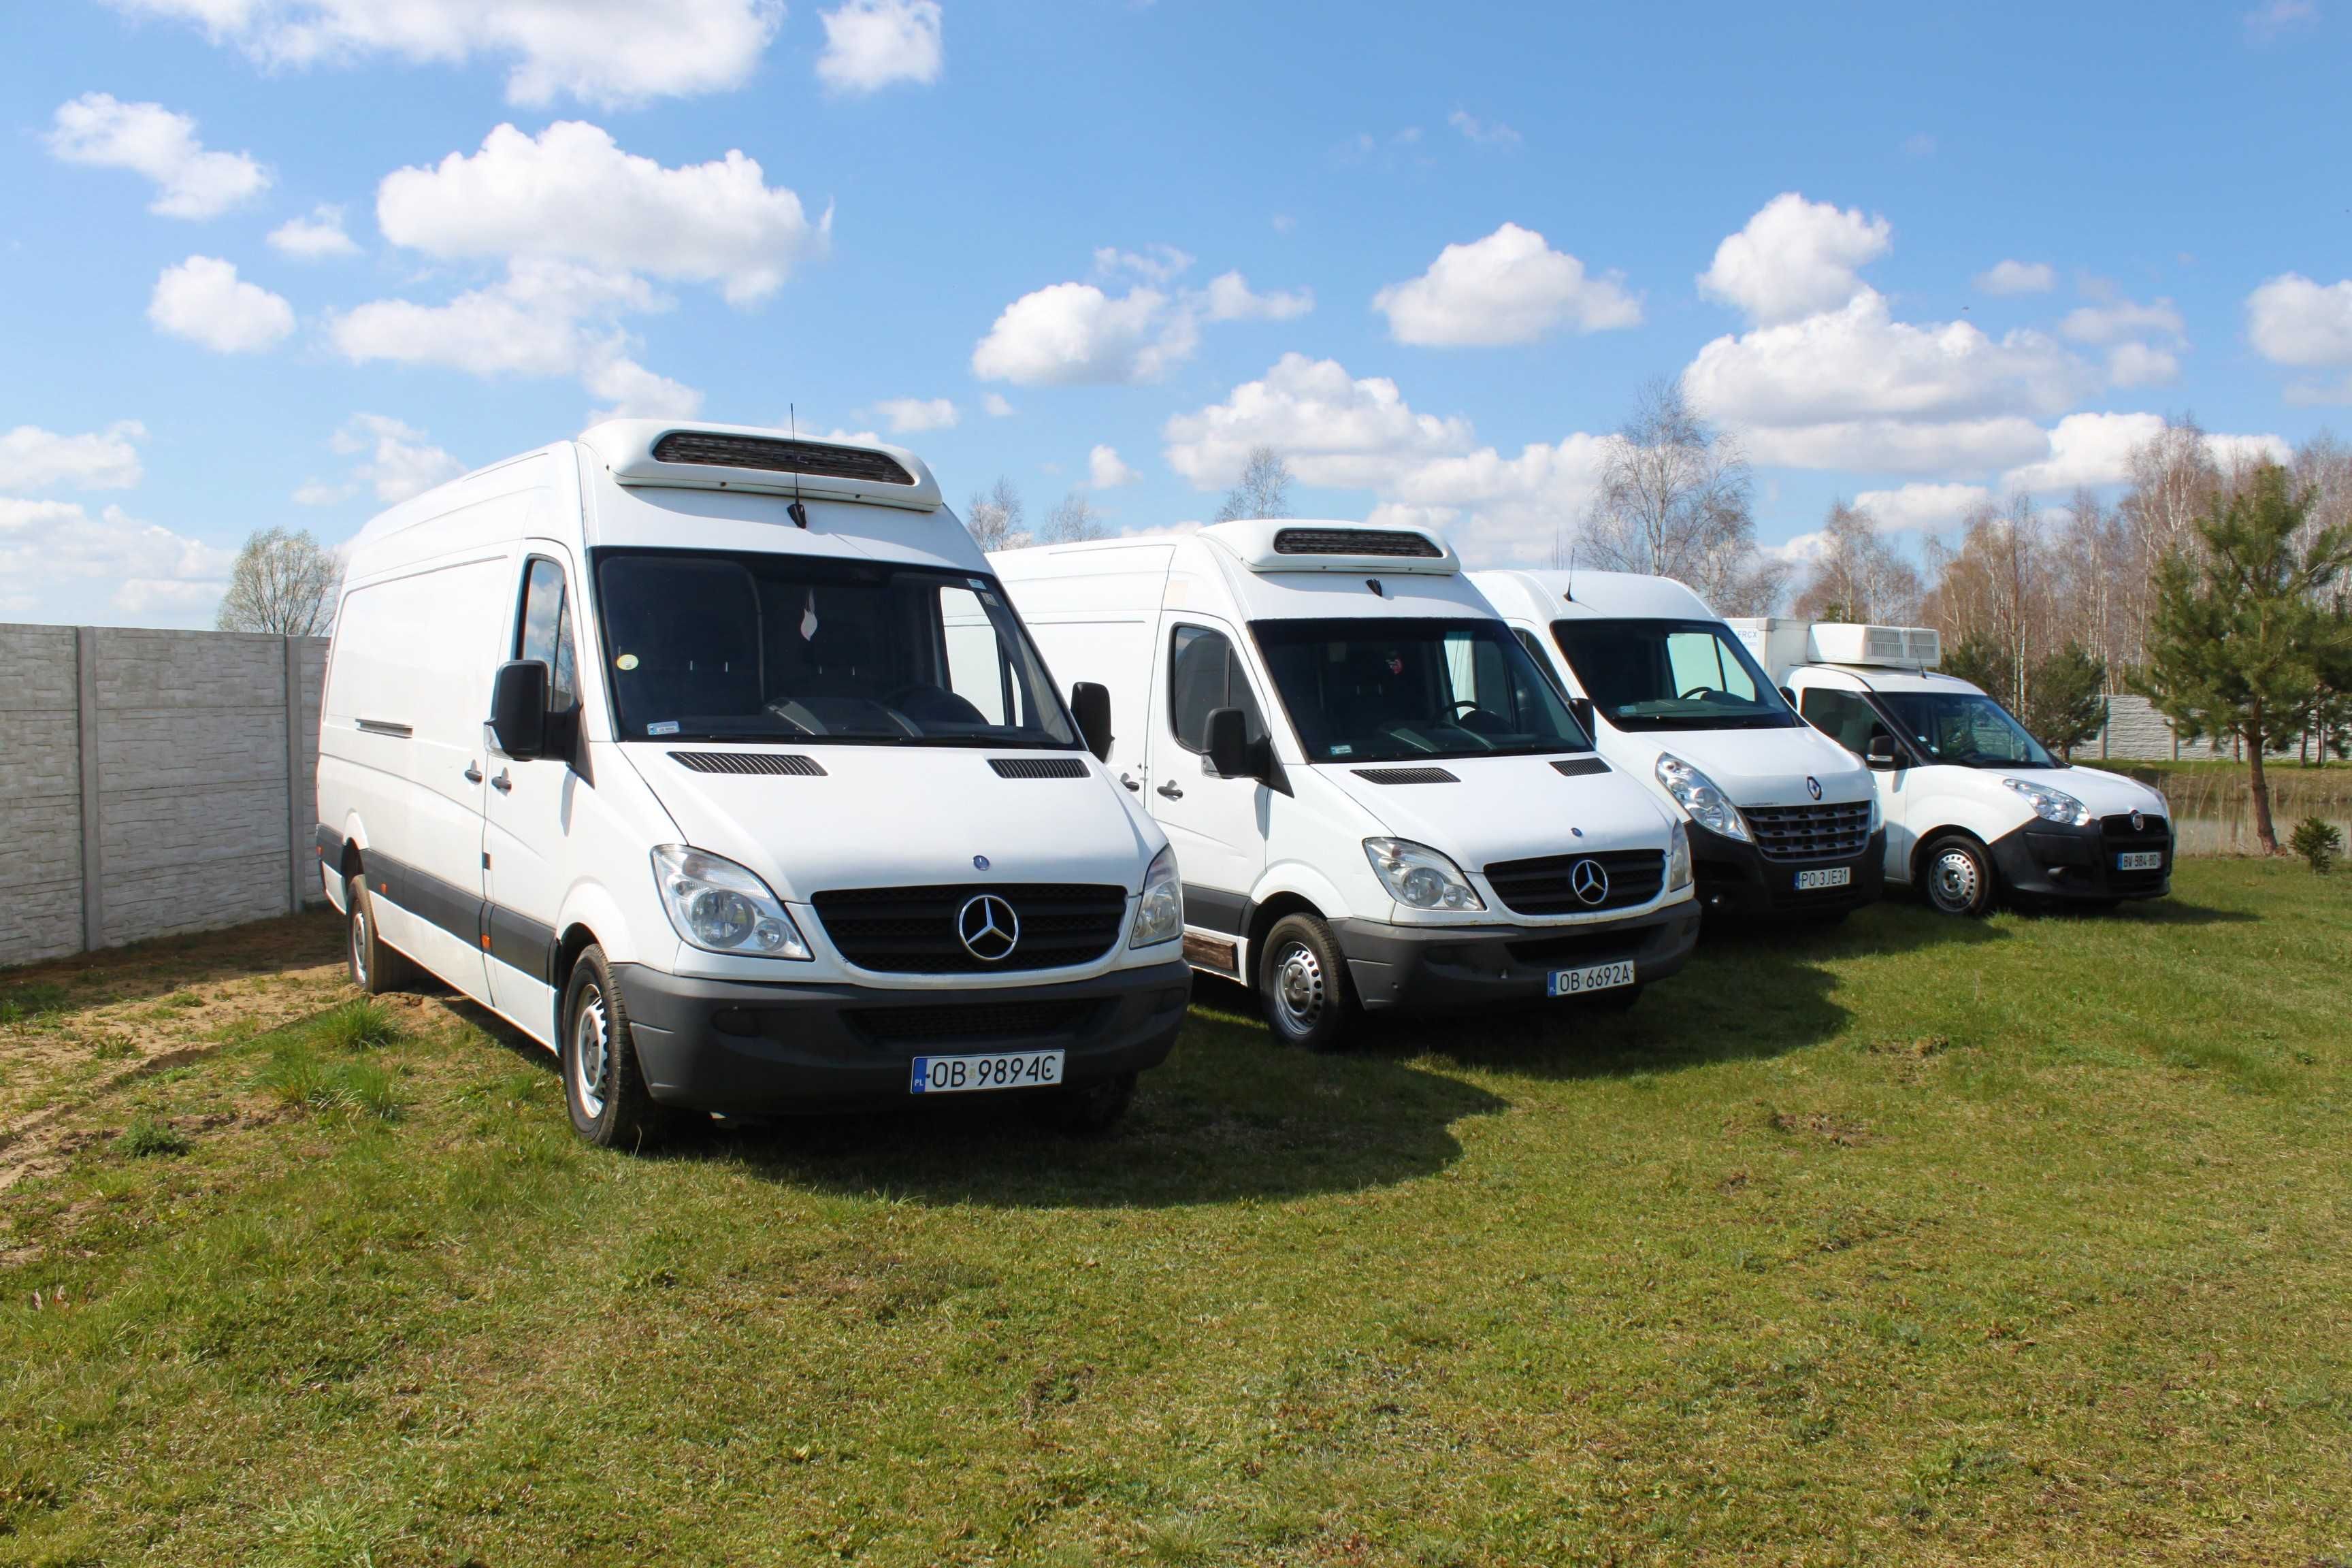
<point>988,927</point>
<point>1812,786</point>
<point>2138,822</point>
<point>1590,882</point>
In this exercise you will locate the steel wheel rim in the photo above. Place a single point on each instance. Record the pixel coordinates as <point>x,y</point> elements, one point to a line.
<point>1298,988</point>
<point>1954,882</point>
<point>591,1057</point>
<point>360,944</point>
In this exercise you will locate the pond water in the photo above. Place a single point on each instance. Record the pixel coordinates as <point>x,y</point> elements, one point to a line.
<point>2232,833</point>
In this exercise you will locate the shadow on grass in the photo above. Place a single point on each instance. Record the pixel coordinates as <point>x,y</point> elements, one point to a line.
<point>144,970</point>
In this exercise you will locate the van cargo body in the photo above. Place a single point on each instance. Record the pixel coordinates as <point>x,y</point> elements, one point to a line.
<point>1377,799</point>
<point>717,762</point>
<point>1781,822</point>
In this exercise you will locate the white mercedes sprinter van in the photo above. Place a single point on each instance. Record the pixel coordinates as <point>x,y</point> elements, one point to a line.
<point>1977,809</point>
<point>1376,798</point>
<point>1781,822</point>
<point>716,761</point>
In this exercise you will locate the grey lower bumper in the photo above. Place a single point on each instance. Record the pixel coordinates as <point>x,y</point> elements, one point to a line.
<point>1408,967</point>
<point>753,1050</point>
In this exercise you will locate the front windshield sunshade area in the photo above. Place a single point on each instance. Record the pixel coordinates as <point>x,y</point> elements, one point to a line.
<point>1382,690</point>
<point>1671,675</point>
<point>786,647</point>
<point>1965,728</point>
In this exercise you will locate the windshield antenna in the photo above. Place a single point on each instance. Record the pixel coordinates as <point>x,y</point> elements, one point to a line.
<point>796,511</point>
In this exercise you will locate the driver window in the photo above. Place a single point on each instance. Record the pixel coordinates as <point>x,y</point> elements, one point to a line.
<point>1697,662</point>
<point>1843,717</point>
<point>545,633</point>
<point>1204,674</point>
<point>1481,683</point>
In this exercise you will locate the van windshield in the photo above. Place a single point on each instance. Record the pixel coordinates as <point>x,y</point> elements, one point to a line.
<point>711,646</point>
<point>1965,728</point>
<point>1380,691</point>
<point>1671,675</point>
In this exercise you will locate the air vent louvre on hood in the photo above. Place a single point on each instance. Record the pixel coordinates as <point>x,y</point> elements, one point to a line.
<point>768,763</point>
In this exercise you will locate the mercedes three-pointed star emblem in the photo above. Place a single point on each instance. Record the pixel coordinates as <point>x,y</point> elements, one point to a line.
<point>1590,881</point>
<point>989,928</point>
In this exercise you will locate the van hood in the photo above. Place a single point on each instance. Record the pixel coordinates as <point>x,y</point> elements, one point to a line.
<point>886,817</point>
<point>1506,808</point>
<point>2106,793</point>
<point>1758,767</point>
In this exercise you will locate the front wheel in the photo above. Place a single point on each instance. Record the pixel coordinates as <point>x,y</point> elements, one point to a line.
<point>1302,984</point>
<point>603,1083</point>
<point>1958,877</point>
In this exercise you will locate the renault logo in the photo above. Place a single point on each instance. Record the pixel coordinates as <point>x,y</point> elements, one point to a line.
<point>1812,786</point>
<point>1590,882</point>
<point>2138,822</point>
<point>989,928</point>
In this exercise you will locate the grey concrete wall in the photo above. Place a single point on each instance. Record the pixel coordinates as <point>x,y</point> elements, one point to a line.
<point>152,782</point>
<point>2136,732</point>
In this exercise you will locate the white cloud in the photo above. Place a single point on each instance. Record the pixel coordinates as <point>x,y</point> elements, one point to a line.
<point>1855,388</point>
<point>1486,132</point>
<point>1074,335</point>
<point>870,44</point>
<point>997,404</point>
<point>1919,509</point>
<point>203,300</point>
<point>630,390</point>
<point>1106,470</point>
<point>1156,264</point>
<point>1508,288</point>
<point>2140,364</point>
<point>2267,21</point>
<point>2230,452</point>
<point>602,51</point>
<point>571,194</point>
<point>905,415</point>
<point>1801,551</point>
<point>2295,320</point>
<point>59,564</point>
<point>400,460</point>
<point>1230,298</point>
<point>32,458</point>
<point>1502,510</point>
<point>319,238</point>
<point>100,130</point>
<point>1794,258</point>
<point>2112,321</point>
<point>2017,277</point>
<point>2097,448</point>
<point>1331,428</point>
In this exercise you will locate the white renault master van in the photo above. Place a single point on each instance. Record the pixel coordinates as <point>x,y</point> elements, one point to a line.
<point>716,761</point>
<point>1781,822</point>
<point>1376,798</point>
<point>1977,809</point>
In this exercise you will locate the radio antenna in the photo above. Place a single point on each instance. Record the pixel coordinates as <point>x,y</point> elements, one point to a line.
<point>796,511</point>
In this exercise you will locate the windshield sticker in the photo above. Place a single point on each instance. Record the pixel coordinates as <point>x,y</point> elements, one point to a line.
<point>977,584</point>
<point>662,727</point>
<point>1343,751</point>
<point>626,661</point>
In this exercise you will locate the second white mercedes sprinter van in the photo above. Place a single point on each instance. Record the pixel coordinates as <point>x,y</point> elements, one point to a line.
<point>716,761</point>
<point>1782,822</point>
<point>1376,798</point>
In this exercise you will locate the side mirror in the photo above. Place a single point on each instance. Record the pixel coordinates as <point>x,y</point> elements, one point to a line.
<point>1881,753</point>
<point>1230,751</point>
<point>1090,706</point>
<point>1582,707</point>
<point>1788,697</point>
<point>519,709</point>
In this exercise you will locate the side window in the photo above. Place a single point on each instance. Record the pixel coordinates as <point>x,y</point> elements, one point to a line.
<point>1697,662</point>
<point>1843,716</point>
<point>1535,651</point>
<point>545,633</point>
<point>1204,674</point>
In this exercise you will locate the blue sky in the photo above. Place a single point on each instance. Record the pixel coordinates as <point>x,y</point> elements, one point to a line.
<point>1429,254</point>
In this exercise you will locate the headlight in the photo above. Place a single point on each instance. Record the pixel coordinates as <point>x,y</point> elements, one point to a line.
<point>1159,912</point>
<point>1695,794</point>
<point>720,907</point>
<point>2051,804</point>
<point>1678,866</point>
<point>1420,878</point>
<point>1877,815</point>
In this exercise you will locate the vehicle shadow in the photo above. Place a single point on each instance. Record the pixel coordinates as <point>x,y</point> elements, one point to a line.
<point>144,971</point>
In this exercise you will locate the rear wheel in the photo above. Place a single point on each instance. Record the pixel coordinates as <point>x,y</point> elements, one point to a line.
<point>375,969</point>
<point>603,1083</point>
<point>1302,984</point>
<point>1956,876</point>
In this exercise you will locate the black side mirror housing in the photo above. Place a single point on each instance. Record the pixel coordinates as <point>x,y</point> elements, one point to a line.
<point>519,709</point>
<point>1582,707</point>
<point>1882,755</point>
<point>1788,697</point>
<point>1230,751</point>
<point>1090,706</point>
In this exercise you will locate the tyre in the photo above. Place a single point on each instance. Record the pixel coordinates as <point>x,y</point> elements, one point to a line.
<point>375,969</point>
<point>1956,876</point>
<point>1087,1109</point>
<point>603,1083</point>
<point>1302,984</point>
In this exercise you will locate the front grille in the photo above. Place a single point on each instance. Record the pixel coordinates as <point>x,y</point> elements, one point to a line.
<point>987,1023</point>
<point>1546,886</point>
<point>1405,775</point>
<point>912,931</point>
<point>771,763</point>
<point>1038,767</point>
<point>776,455</point>
<point>1354,542</point>
<point>2153,832</point>
<point>1575,947</point>
<point>1578,767</point>
<point>1810,832</point>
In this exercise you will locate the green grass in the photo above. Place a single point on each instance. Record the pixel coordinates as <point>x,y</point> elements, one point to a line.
<point>1913,1242</point>
<point>20,1002</point>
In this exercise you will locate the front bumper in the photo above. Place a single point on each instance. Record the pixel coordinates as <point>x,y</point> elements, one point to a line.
<point>1464,966</point>
<point>1736,878</point>
<point>2049,861</point>
<point>744,1048</point>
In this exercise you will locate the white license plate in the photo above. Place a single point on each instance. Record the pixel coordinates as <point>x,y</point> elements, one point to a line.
<point>1828,876</point>
<point>1003,1069</point>
<point>2140,861</point>
<point>1600,977</point>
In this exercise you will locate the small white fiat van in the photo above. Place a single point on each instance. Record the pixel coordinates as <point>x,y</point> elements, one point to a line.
<point>1378,799</point>
<point>716,761</point>
<point>1977,809</point>
<point>1782,823</point>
